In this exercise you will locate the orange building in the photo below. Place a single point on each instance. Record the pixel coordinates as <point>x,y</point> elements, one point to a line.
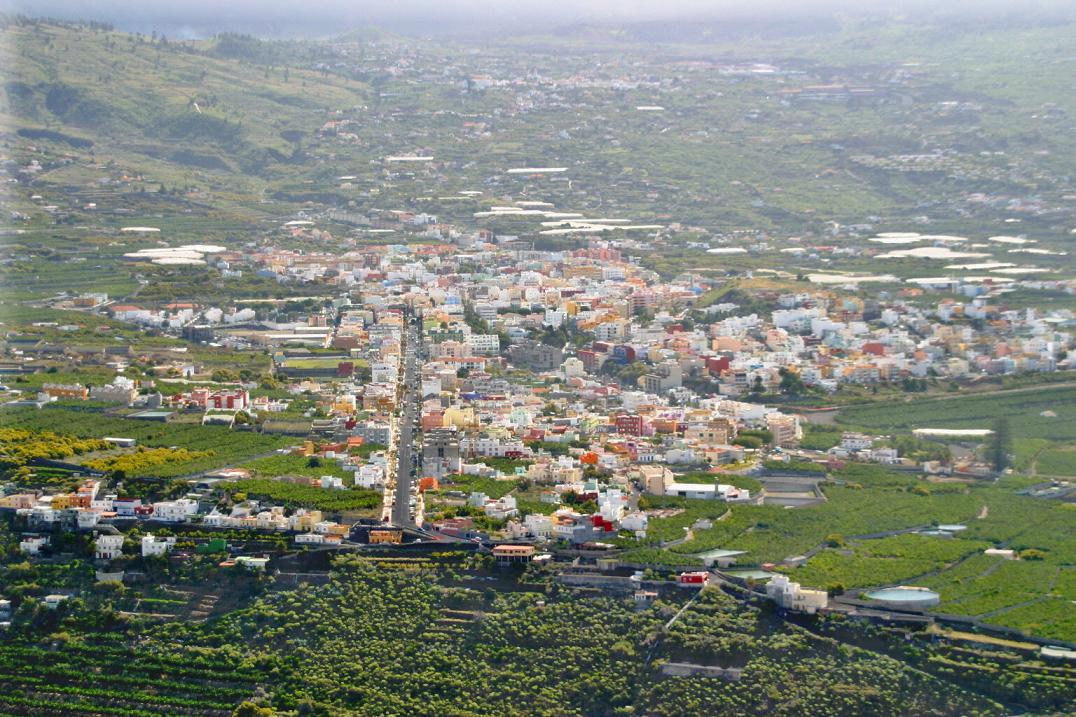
<point>386,537</point>
<point>59,390</point>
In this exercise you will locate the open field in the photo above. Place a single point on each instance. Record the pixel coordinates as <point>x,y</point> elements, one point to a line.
<point>887,501</point>
<point>295,495</point>
<point>215,446</point>
<point>1023,408</point>
<point>1039,417</point>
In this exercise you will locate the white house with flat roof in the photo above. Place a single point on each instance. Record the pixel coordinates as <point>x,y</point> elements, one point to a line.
<point>791,596</point>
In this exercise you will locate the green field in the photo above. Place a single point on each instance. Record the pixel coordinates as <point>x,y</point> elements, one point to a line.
<point>995,516</point>
<point>1032,431</point>
<point>217,446</point>
<point>1023,407</point>
<point>295,495</point>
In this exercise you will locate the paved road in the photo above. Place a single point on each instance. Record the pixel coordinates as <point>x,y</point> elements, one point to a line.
<point>402,515</point>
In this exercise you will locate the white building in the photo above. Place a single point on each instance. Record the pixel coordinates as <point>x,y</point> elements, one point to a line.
<point>501,509</point>
<point>87,519</point>
<point>175,511</point>
<point>32,544</point>
<point>555,317</point>
<point>573,368</point>
<point>108,547</point>
<point>538,525</point>
<point>635,522</point>
<point>369,476</point>
<point>483,344</point>
<point>791,596</point>
<point>856,442</point>
<point>152,545</point>
<point>121,390</point>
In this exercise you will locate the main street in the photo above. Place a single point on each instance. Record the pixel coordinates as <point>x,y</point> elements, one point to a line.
<point>406,510</point>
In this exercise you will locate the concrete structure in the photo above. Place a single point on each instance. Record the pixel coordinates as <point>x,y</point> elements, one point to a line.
<point>441,452</point>
<point>791,596</point>
<point>513,554</point>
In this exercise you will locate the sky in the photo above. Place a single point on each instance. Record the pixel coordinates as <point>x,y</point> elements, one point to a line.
<point>281,18</point>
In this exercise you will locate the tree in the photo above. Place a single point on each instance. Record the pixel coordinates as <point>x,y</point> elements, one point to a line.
<point>1000,446</point>
<point>791,383</point>
<point>249,709</point>
<point>757,389</point>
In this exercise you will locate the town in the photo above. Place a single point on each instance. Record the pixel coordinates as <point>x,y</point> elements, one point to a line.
<point>590,370</point>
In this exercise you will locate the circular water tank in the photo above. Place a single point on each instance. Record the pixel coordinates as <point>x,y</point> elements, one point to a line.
<point>905,597</point>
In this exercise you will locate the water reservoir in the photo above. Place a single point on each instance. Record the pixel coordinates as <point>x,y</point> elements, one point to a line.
<point>905,597</point>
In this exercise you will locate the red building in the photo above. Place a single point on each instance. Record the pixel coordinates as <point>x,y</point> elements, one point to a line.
<point>233,400</point>
<point>693,580</point>
<point>591,359</point>
<point>601,523</point>
<point>432,419</point>
<point>717,364</point>
<point>629,424</point>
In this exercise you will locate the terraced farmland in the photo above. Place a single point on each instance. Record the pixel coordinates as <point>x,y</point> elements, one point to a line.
<point>104,679</point>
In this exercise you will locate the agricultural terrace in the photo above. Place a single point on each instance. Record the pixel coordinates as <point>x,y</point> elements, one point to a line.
<point>1042,419</point>
<point>420,649</point>
<point>871,501</point>
<point>197,448</point>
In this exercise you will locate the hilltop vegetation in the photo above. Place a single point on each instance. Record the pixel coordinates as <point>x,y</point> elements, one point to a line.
<point>201,105</point>
<point>420,648</point>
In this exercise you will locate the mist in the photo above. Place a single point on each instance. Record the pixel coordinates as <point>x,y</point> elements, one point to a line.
<point>319,18</point>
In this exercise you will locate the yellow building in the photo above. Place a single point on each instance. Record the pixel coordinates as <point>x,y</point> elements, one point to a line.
<point>344,403</point>
<point>59,390</point>
<point>308,520</point>
<point>60,501</point>
<point>585,271</point>
<point>460,417</point>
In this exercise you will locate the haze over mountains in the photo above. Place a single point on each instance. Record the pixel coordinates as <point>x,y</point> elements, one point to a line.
<point>475,18</point>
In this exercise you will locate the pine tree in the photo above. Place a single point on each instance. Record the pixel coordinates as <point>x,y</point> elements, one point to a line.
<point>1000,447</point>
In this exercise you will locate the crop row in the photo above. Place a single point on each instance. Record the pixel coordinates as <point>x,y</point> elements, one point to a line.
<point>53,674</point>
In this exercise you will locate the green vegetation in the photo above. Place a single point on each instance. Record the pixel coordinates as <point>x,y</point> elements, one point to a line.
<point>145,460</point>
<point>298,495</point>
<point>575,655</point>
<point>852,681</point>
<point>1000,444</point>
<point>745,482</point>
<point>793,466</point>
<point>17,446</point>
<point>1024,408</point>
<point>1057,462</point>
<point>66,678</point>
<point>295,465</point>
<point>874,500</point>
<point>470,484</point>
<point>208,447</point>
<point>822,437</point>
<point>886,561</point>
<point>505,465</point>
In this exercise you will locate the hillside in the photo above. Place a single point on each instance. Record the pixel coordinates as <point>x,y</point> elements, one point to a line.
<point>218,105</point>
